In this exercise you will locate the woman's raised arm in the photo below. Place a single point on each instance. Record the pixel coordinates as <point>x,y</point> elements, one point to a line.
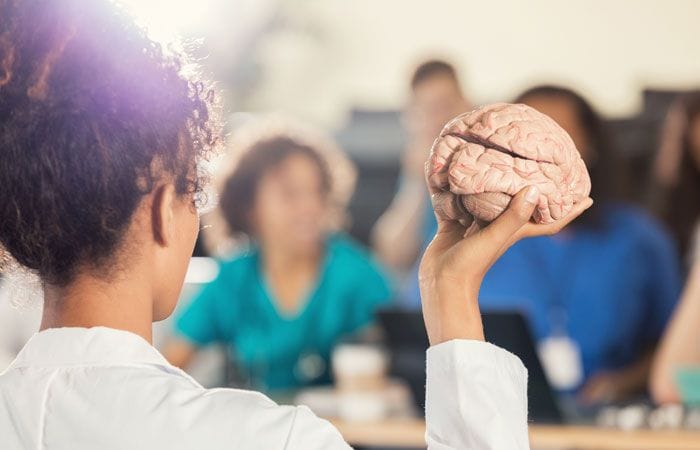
<point>476,393</point>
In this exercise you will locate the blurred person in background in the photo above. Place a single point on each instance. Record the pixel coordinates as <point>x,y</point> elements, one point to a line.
<point>613,275</point>
<point>678,171</point>
<point>406,227</point>
<point>286,300</point>
<point>680,347</point>
<point>677,174</point>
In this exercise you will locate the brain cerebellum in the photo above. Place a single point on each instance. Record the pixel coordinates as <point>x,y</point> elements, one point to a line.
<point>486,156</point>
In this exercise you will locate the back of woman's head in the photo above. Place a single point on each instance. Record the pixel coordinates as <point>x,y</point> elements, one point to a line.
<point>92,114</point>
<point>607,175</point>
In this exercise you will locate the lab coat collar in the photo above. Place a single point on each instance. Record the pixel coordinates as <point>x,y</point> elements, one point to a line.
<point>87,346</point>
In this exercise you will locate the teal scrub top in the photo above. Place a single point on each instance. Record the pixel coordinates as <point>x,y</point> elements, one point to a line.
<point>275,350</point>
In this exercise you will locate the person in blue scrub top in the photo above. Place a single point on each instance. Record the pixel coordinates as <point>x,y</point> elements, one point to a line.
<point>285,302</point>
<point>613,276</point>
<point>604,288</point>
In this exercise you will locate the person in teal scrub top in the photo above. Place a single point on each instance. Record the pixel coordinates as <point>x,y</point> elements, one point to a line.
<point>298,289</point>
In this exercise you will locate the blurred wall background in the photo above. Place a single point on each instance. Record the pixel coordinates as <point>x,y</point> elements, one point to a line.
<point>319,58</point>
<point>344,65</point>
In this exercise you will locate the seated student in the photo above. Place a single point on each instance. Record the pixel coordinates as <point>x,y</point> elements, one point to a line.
<point>613,276</point>
<point>102,138</point>
<point>285,302</point>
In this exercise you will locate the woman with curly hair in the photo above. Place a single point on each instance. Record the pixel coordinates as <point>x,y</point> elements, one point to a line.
<point>102,139</point>
<point>283,302</point>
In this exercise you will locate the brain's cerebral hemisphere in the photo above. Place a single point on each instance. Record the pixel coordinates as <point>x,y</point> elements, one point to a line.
<point>486,156</point>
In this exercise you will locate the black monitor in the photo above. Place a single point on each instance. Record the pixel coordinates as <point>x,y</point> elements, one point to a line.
<point>407,342</point>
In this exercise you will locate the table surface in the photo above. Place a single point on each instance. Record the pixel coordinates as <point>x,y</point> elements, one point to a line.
<point>410,433</point>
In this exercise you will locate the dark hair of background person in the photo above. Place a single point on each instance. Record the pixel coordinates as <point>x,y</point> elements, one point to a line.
<point>607,173</point>
<point>430,69</point>
<point>237,198</point>
<point>93,114</point>
<point>682,210</point>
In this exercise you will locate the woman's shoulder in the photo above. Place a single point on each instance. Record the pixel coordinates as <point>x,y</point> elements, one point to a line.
<point>238,264</point>
<point>241,257</point>
<point>632,217</point>
<point>260,421</point>
<point>637,224</point>
<point>342,246</point>
<point>351,265</point>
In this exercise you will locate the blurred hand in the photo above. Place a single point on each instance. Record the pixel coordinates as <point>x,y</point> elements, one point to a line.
<point>413,159</point>
<point>461,253</point>
<point>615,386</point>
<point>602,389</point>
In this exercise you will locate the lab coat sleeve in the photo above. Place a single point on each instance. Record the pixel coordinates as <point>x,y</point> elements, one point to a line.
<point>476,398</point>
<point>308,432</point>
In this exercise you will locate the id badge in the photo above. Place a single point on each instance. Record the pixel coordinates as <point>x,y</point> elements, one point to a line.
<point>561,359</point>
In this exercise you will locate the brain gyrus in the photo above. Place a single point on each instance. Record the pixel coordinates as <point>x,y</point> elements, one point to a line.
<point>486,156</point>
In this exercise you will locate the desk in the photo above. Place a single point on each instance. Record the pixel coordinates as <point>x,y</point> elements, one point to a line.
<point>409,433</point>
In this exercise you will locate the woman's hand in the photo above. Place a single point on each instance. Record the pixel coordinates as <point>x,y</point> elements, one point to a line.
<point>461,253</point>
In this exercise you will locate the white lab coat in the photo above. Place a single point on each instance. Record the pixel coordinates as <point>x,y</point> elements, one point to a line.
<point>100,388</point>
<point>17,324</point>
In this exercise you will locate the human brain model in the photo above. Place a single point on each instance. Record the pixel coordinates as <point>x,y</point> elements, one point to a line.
<point>486,156</point>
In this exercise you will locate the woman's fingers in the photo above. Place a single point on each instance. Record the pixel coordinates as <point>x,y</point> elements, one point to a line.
<point>532,229</point>
<point>457,228</point>
<point>555,227</point>
<point>514,224</point>
<point>485,246</point>
<point>517,215</point>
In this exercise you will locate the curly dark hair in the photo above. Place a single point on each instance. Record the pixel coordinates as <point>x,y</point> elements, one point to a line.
<point>237,196</point>
<point>93,114</point>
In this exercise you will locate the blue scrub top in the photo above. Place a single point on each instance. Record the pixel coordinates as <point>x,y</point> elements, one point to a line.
<point>277,350</point>
<point>611,288</point>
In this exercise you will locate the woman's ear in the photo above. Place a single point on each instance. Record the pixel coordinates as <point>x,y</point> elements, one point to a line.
<point>163,214</point>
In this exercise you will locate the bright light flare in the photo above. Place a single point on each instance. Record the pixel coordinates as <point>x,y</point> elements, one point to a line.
<point>167,19</point>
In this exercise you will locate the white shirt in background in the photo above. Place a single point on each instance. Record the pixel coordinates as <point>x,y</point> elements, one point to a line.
<point>100,388</point>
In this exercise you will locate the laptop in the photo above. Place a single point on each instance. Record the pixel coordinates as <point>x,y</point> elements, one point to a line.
<point>407,342</point>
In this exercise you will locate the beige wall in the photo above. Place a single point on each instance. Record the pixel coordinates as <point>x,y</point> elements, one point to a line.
<point>359,52</point>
